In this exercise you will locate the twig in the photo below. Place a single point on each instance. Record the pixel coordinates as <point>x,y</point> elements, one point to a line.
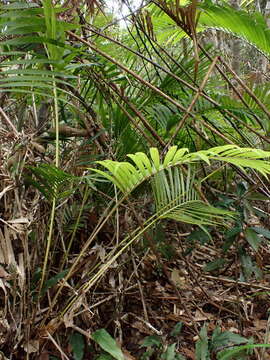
<point>8,121</point>
<point>140,289</point>
<point>57,346</point>
<point>242,283</point>
<point>158,332</point>
<point>108,298</point>
<point>83,332</point>
<point>189,109</point>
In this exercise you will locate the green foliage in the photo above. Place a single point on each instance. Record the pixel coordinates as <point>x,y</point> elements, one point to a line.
<point>224,345</point>
<point>155,347</point>
<point>206,346</point>
<point>236,353</point>
<point>76,341</point>
<point>125,105</point>
<point>107,343</point>
<point>127,177</point>
<point>152,340</point>
<point>215,265</point>
<point>176,331</point>
<point>39,31</point>
<point>252,28</point>
<point>52,182</point>
<point>253,239</point>
<point>170,353</point>
<point>53,281</point>
<point>201,349</point>
<point>174,189</point>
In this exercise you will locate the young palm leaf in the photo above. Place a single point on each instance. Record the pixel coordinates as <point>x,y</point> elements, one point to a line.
<point>176,198</point>
<point>173,188</point>
<point>127,176</point>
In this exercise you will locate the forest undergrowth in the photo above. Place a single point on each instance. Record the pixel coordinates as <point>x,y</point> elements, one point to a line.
<point>134,181</point>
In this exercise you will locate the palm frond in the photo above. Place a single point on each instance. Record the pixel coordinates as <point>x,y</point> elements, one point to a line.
<point>176,198</point>
<point>25,28</point>
<point>127,176</point>
<point>250,27</point>
<point>51,181</point>
<point>173,187</point>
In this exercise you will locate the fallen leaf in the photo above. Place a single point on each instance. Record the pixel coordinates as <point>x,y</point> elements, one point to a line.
<point>128,355</point>
<point>31,347</point>
<point>19,221</point>
<point>202,316</point>
<point>141,327</point>
<point>177,279</point>
<point>189,353</point>
<point>260,324</point>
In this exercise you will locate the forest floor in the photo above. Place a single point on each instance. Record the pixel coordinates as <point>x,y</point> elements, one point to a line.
<point>175,300</point>
<point>189,293</point>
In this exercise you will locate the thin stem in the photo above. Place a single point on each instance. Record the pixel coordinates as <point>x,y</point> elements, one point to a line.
<point>49,239</point>
<point>197,95</point>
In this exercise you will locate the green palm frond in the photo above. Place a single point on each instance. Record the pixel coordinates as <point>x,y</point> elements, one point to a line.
<point>261,91</point>
<point>250,27</point>
<point>173,187</point>
<point>127,176</point>
<point>176,199</point>
<point>196,213</point>
<point>31,69</point>
<point>52,182</point>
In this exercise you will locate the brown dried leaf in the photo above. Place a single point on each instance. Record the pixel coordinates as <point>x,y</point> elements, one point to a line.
<point>50,328</point>
<point>22,220</point>
<point>127,355</point>
<point>31,347</point>
<point>202,316</point>
<point>112,281</point>
<point>7,248</point>
<point>3,286</point>
<point>189,353</point>
<point>41,149</point>
<point>68,319</point>
<point>260,324</point>
<point>21,271</point>
<point>7,188</point>
<point>179,281</point>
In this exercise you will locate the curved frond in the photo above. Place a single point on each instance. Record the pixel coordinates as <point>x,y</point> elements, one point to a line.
<point>173,187</point>
<point>127,176</point>
<point>251,27</point>
<point>197,212</point>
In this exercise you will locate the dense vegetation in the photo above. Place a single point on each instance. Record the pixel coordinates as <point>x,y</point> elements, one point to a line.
<point>134,199</point>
